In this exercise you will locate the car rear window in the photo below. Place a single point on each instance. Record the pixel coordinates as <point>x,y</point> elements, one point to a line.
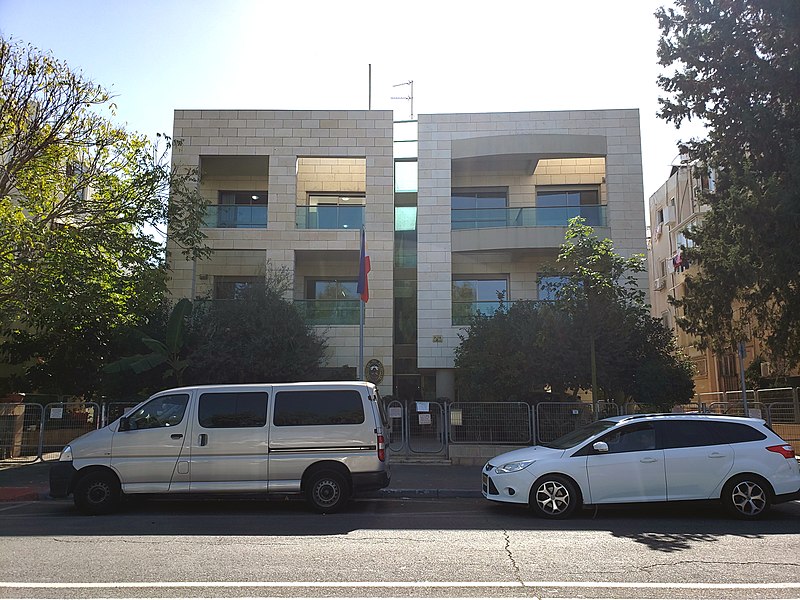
<point>684,433</point>
<point>732,433</point>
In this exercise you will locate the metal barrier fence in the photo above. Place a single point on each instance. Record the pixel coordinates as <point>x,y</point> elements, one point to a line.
<point>32,431</point>
<point>554,419</point>
<point>490,423</point>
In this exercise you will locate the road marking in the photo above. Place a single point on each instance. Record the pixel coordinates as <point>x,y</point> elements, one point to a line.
<point>400,584</point>
<point>16,505</point>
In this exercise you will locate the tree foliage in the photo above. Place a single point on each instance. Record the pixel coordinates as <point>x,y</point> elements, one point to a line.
<point>257,337</point>
<point>736,67</point>
<point>530,347</point>
<point>79,197</point>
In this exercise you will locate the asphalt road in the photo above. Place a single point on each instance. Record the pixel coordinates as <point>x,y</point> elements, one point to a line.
<point>383,548</point>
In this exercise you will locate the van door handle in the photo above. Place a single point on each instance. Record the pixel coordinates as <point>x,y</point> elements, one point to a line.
<point>176,436</point>
<point>202,439</point>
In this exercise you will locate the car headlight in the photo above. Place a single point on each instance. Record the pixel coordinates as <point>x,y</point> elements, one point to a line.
<point>513,467</point>
<point>66,454</point>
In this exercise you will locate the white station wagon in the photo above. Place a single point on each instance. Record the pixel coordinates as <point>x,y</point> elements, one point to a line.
<point>650,458</point>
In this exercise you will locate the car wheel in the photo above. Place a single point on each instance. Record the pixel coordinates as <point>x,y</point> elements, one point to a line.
<point>553,497</point>
<point>97,493</point>
<point>327,491</point>
<point>747,496</point>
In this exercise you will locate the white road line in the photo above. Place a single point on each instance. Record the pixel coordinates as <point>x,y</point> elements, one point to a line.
<point>15,505</point>
<point>399,584</point>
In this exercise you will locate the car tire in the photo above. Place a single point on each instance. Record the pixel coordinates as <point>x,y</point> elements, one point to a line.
<point>327,491</point>
<point>553,497</point>
<point>97,493</point>
<point>747,496</point>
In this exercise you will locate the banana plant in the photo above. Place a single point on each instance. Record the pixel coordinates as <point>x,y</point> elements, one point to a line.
<point>167,352</point>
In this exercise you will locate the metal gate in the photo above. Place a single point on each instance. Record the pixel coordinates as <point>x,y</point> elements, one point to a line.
<point>417,428</point>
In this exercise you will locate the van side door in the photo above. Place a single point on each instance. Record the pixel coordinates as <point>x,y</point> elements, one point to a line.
<point>229,441</point>
<point>145,455</point>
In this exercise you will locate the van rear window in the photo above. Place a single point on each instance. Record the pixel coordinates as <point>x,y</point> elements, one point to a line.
<point>318,407</point>
<point>232,409</point>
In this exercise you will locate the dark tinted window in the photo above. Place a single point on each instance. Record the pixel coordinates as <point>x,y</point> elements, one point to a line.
<point>633,438</point>
<point>731,433</point>
<point>685,434</point>
<point>233,409</point>
<point>318,407</point>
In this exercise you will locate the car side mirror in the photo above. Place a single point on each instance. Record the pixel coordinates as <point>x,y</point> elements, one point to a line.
<point>600,447</point>
<point>124,424</point>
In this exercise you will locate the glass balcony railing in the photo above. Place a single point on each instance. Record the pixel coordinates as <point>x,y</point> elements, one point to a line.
<point>329,312</point>
<point>329,217</point>
<point>462,311</point>
<point>235,216</point>
<point>538,216</point>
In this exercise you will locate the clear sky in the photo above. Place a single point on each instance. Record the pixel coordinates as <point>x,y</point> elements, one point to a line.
<point>463,56</point>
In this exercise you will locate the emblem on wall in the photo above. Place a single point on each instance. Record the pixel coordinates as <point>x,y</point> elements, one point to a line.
<point>374,371</point>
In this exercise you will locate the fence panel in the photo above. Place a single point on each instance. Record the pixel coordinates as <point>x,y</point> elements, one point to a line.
<point>20,430</point>
<point>64,421</point>
<point>111,411</point>
<point>426,428</point>
<point>396,413</point>
<point>554,419</point>
<point>490,423</point>
<point>736,409</point>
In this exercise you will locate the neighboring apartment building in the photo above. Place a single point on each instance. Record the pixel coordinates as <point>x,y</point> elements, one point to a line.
<point>457,207</point>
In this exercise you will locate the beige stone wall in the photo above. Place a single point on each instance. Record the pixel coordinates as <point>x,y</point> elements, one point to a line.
<point>347,137</point>
<point>318,174</point>
<point>622,192</point>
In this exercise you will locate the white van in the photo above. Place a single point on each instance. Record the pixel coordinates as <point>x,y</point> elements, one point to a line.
<point>324,440</point>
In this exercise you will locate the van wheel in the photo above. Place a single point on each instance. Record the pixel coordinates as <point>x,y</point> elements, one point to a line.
<point>747,496</point>
<point>327,491</point>
<point>97,493</point>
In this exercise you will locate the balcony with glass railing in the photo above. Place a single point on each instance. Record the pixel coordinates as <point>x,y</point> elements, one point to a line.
<point>329,312</point>
<point>535,216</point>
<point>329,217</point>
<point>235,217</point>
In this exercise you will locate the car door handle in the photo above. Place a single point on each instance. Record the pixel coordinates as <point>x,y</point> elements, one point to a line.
<point>176,436</point>
<point>648,459</point>
<point>716,455</point>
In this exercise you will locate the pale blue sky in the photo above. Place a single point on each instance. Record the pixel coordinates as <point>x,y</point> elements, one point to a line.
<point>465,56</point>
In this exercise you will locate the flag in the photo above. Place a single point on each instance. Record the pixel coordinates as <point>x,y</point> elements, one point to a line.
<point>363,269</point>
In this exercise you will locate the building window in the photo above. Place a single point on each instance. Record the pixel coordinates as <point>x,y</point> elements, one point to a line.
<point>476,208</point>
<point>549,286</point>
<point>238,210</point>
<point>331,289</point>
<point>233,287</point>
<point>330,302</point>
<point>554,207</point>
<point>332,211</point>
<point>471,296</point>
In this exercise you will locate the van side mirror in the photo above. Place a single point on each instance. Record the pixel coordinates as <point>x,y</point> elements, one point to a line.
<point>124,424</point>
<point>600,447</point>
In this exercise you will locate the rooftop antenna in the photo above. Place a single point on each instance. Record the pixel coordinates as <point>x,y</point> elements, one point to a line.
<point>409,97</point>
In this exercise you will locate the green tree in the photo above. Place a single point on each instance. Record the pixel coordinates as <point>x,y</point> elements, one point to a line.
<point>78,198</point>
<point>735,66</point>
<point>597,332</point>
<point>167,353</point>
<point>258,337</point>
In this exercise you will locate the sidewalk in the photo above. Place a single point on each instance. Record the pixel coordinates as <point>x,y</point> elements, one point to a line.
<point>30,481</point>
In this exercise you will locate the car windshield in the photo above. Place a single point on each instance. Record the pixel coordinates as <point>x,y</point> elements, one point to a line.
<point>573,438</point>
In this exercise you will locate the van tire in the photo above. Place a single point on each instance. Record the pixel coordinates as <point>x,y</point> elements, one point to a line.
<point>97,493</point>
<point>327,491</point>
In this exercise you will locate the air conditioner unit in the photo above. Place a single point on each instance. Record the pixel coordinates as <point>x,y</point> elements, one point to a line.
<point>660,283</point>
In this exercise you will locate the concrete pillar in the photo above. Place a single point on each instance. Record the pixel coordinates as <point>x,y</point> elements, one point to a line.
<point>446,384</point>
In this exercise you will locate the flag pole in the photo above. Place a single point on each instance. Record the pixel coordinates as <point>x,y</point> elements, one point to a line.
<point>361,314</point>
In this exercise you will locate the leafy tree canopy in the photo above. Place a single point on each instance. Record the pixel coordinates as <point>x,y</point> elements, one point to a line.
<point>735,66</point>
<point>528,347</point>
<point>78,198</point>
<point>258,337</point>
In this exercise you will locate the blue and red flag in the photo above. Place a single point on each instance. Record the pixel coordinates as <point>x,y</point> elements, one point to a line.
<point>363,269</point>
